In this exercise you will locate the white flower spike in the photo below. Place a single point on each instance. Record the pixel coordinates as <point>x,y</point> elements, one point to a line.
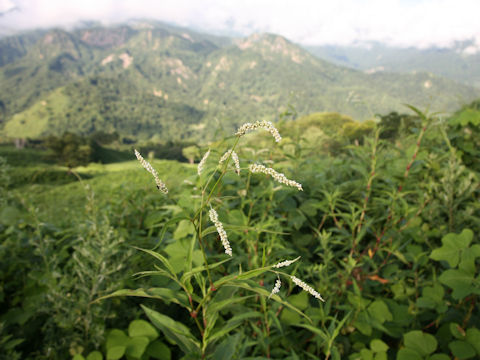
<point>160,185</point>
<point>285,263</point>
<point>234,158</point>
<point>221,231</point>
<point>202,162</point>
<point>281,178</point>
<point>307,288</point>
<point>276,288</point>
<point>267,125</point>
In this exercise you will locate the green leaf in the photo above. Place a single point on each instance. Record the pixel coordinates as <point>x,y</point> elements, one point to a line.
<point>252,273</point>
<point>462,349</point>
<point>158,350</point>
<point>226,349</point>
<point>299,300</point>
<point>379,310</point>
<point>159,257</point>
<point>432,298</point>
<point>95,355</point>
<point>164,294</point>
<point>366,354</point>
<point>473,338</point>
<point>424,344</point>
<point>457,331</point>
<point>165,226</point>
<point>115,352</point>
<point>198,269</point>
<point>174,331</point>
<point>310,207</point>
<point>216,306</point>
<point>142,328</point>
<point>459,280</point>
<point>417,111</point>
<point>78,357</point>
<point>231,324</point>
<point>378,346</point>
<point>251,286</point>
<point>184,228</point>
<point>290,317</point>
<point>452,245</point>
<point>154,217</point>
<point>467,261</point>
<point>475,250</point>
<point>408,354</point>
<point>314,330</point>
<point>116,337</point>
<point>439,357</point>
<point>136,346</point>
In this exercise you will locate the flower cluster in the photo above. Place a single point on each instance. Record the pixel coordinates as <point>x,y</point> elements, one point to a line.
<point>234,158</point>
<point>202,162</point>
<point>307,288</point>
<point>267,125</point>
<point>281,178</point>
<point>285,263</point>
<point>276,288</point>
<point>221,231</point>
<point>160,185</point>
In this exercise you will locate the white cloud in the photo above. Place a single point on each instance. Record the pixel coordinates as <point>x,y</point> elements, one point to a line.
<point>6,5</point>
<point>418,23</point>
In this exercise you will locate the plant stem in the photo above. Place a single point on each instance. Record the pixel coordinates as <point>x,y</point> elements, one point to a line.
<point>368,190</point>
<point>199,232</point>
<point>399,189</point>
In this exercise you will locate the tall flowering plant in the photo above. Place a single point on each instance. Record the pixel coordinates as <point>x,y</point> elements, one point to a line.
<point>208,289</point>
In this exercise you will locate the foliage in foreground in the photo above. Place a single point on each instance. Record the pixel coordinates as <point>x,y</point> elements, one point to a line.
<point>386,231</point>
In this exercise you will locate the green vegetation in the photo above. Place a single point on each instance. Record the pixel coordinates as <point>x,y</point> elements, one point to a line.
<point>158,83</point>
<point>465,125</point>
<point>386,228</point>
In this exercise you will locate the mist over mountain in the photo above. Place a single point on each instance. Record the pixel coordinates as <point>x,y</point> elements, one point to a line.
<point>149,80</point>
<point>460,62</point>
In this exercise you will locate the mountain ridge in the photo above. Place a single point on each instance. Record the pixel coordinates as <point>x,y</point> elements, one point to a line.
<point>157,76</point>
<point>461,62</point>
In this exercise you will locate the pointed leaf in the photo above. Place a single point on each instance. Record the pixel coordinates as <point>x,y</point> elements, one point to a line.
<point>164,294</point>
<point>174,331</point>
<point>262,291</point>
<point>159,257</point>
<point>231,325</point>
<point>198,269</point>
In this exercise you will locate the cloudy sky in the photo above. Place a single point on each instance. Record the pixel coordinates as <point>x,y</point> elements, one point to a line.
<point>418,23</point>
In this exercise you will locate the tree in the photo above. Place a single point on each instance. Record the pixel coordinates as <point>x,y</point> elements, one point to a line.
<point>70,149</point>
<point>191,153</point>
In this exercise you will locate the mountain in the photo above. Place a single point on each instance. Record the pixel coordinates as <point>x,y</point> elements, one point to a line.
<point>148,80</point>
<point>460,62</point>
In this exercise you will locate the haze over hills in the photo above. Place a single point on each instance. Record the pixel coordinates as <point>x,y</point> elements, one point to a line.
<point>461,62</point>
<point>146,80</point>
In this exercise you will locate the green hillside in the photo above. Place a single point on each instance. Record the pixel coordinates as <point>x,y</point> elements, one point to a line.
<point>147,80</point>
